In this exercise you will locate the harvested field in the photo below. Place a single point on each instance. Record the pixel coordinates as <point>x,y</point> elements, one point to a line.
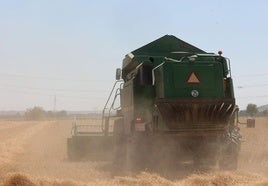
<point>34,153</point>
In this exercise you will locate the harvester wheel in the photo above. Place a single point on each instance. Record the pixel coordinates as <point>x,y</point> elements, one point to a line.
<point>165,155</point>
<point>71,150</point>
<point>119,159</point>
<point>137,153</point>
<point>229,157</point>
<point>230,150</point>
<point>205,157</point>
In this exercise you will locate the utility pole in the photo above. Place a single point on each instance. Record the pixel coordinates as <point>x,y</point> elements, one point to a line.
<point>55,102</point>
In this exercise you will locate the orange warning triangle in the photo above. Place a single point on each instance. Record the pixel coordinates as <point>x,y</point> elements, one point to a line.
<point>193,78</point>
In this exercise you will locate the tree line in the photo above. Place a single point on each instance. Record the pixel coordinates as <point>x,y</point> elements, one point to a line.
<point>38,113</point>
<point>252,110</point>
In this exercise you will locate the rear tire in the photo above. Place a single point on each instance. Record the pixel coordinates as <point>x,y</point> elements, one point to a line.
<point>137,153</point>
<point>230,149</point>
<point>229,157</point>
<point>72,150</point>
<point>205,156</point>
<point>119,158</point>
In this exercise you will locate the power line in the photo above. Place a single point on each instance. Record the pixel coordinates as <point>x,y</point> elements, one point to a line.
<point>59,96</point>
<point>52,89</point>
<point>249,86</point>
<point>263,96</point>
<point>51,78</point>
<point>250,75</point>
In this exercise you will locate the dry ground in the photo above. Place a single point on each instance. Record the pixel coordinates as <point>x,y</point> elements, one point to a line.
<point>34,153</point>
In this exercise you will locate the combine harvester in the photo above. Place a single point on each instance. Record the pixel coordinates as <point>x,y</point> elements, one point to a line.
<point>177,104</point>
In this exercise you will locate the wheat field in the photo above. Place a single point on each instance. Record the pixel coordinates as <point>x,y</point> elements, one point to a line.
<point>33,153</point>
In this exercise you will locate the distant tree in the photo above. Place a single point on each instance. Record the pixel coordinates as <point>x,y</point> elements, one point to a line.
<point>242,113</point>
<point>62,113</point>
<point>265,112</point>
<point>252,109</point>
<point>58,114</point>
<point>35,113</point>
<point>50,114</point>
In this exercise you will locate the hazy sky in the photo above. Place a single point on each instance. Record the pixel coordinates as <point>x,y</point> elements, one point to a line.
<point>71,48</point>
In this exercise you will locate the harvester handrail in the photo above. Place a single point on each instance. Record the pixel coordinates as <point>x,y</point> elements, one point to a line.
<point>153,76</point>
<point>112,105</point>
<point>74,127</point>
<point>229,66</point>
<point>105,106</point>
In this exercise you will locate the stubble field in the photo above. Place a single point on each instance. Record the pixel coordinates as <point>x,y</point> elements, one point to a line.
<point>34,153</point>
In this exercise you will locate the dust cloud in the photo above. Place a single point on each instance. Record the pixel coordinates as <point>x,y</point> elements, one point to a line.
<point>34,154</point>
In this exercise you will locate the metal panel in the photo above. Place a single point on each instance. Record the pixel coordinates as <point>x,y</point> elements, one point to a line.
<point>127,104</point>
<point>190,113</point>
<point>173,80</point>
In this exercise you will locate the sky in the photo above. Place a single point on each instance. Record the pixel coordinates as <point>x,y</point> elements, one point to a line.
<point>62,54</point>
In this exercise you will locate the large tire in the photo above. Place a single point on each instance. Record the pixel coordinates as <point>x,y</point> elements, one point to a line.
<point>130,152</point>
<point>229,156</point>
<point>119,158</point>
<point>165,155</point>
<point>205,156</point>
<point>156,153</point>
<point>137,153</point>
<point>230,149</point>
<point>72,152</point>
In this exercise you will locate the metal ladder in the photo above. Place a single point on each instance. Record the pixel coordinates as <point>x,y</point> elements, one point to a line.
<point>106,117</point>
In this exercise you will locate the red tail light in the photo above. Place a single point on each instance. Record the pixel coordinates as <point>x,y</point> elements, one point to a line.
<point>140,125</point>
<point>138,120</point>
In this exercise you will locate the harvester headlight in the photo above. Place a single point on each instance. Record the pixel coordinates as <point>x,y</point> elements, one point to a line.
<point>192,58</point>
<point>195,93</point>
